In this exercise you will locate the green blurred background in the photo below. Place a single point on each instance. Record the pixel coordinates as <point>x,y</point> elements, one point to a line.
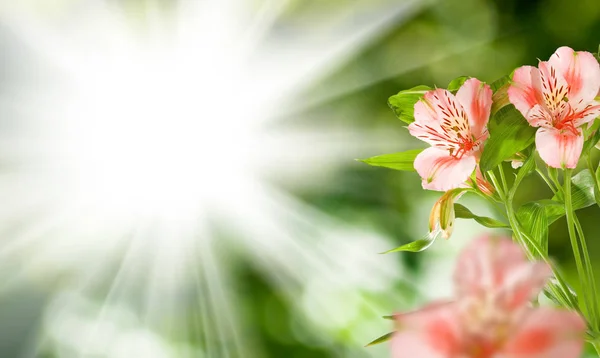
<point>428,42</point>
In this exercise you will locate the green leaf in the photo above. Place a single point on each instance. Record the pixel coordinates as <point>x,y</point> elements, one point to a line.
<point>499,83</point>
<point>593,136</point>
<point>582,195</point>
<point>397,161</point>
<point>509,133</point>
<point>388,317</point>
<point>582,191</point>
<point>596,187</point>
<point>535,222</point>
<point>386,337</point>
<point>527,168</point>
<point>500,96</point>
<point>461,212</point>
<point>417,245</point>
<point>403,103</point>
<point>456,83</point>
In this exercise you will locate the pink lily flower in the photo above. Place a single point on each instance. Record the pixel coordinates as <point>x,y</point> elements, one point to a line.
<point>455,127</point>
<point>491,316</point>
<point>558,97</point>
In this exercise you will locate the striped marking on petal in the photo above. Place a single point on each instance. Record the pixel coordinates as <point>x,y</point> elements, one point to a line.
<point>554,88</point>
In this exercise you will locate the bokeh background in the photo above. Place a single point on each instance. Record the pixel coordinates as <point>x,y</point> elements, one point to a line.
<point>284,260</point>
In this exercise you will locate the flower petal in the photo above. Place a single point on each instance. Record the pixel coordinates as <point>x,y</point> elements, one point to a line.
<point>547,333</point>
<point>554,88</point>
<point>559,149</point>
<point>432,332</point>
<point>440,120</point>
<point>476,99</point>
<point>441,171</point>
<point>538,116</point>
<point>427,127</point>
<point>581,71</point>
<point>496,268</point>
<point>587,114</point>
<point>522,93</point>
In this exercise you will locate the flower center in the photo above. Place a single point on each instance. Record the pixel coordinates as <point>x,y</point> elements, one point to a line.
<point>465,145</point>
<point>565,120</point>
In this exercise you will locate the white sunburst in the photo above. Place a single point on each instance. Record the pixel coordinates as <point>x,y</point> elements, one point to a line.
<point>138,137</point>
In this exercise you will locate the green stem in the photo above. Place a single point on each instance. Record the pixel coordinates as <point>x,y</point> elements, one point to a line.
<point>583,274</point>
<point>545,178</point>
<point>535,252</point>
<point>596,346</point>
<point>560,290</point>
<point>590,274</point>
<point>593,172</point>
<point>503,178</point>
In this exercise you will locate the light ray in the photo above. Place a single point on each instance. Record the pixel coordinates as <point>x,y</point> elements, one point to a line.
<point>142,136</point>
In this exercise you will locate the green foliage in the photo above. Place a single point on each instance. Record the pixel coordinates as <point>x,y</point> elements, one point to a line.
<point>583,189</point>
<point>415,246</point>
<point>509,134</point>
<point>596,187</point>
<point>500,83</point>
<point>593,135</point>
<point>456,83</point>
<point>582,196</point>
<point>403,103</point>
<point>500,96</point>
<point>534,221</point>
<point>386,337</point>
<point>462,212</point>
<point>397,161</point>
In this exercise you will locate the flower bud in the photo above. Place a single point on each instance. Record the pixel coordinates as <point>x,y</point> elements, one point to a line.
<point>441,218</point>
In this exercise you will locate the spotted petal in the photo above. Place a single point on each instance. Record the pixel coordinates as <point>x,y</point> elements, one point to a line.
<point>580,71</point>
<point>442,113</point>
<point>476,99</point>
<point>442,172</point>
<point>427,127</point>
<point>554,88</point>
<point>587,114</point>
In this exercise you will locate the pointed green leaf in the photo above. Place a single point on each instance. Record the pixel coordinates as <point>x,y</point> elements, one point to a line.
<point>388,317</point>
<point>384,338</point>
<point>582,196</point>
<point>535,222</point>
<point>397,161</point>
<point>500,96</point>
<point>499,83</point>
<point>527,168</point>
<point>403,103</point>
<point>462,212</point>
<point>456,83</point>
<point>597,186</point>
<point>593,136</point>
<point>417,245</point>
<point>583,189</point>
<point>509,133</point>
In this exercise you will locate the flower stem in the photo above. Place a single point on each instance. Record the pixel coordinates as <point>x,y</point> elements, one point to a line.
<point>560,290</point>
<point>543,176</point>
<point>596,346</point>
<point>585,273</point>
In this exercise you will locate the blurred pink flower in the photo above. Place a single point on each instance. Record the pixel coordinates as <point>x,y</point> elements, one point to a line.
<point>558,96</point>
<point>491,316</point>
<point>455,127</point>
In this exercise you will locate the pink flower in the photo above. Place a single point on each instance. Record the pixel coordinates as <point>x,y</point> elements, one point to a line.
<point>491,316</point>
<point>558,96</point>
<point>455,127</point>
